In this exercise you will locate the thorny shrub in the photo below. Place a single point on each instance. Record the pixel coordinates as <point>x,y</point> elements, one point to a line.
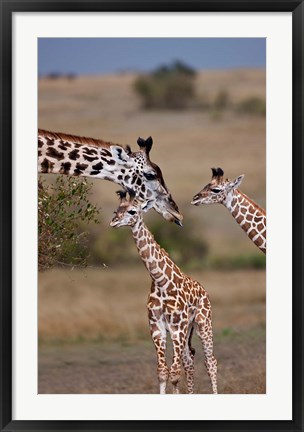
<point>63,210</point>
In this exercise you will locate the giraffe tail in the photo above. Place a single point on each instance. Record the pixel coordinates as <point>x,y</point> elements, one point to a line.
<point>192,350</point>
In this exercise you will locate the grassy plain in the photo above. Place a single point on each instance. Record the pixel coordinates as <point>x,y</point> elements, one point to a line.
<point>93,329</point>
<point>94,336</point>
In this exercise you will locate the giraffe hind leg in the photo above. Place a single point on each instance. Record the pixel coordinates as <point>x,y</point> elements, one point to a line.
<point>205,333</point>
<point>188,362</point>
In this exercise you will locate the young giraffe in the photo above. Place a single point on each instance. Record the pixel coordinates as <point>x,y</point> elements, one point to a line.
<point>177,303</point>
<point>59,153</point>
<point>245,211</point>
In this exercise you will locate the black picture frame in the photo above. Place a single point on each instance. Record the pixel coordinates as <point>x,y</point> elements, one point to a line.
<point>7,9</point>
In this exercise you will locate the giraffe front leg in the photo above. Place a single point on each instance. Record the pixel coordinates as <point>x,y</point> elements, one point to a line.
<point>159,336</point>
<point>178,340</point>
<point>205,333</point>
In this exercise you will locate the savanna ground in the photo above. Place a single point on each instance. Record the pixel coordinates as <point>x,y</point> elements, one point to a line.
<point>78,307</point>
<point>93,328</point>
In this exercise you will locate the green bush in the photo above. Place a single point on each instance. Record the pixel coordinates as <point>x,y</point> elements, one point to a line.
<point>63,209</point>
<point>168,87</point>
<point>177,68</point>
<point>252,106</point>
<point>117,247</point>
<point>182,244</point>
<point>238,262</point>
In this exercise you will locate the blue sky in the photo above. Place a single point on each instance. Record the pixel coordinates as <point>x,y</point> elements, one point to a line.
<point>108,55</point>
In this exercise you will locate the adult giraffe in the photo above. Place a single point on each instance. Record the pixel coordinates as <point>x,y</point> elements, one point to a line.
<point>247,213</point>
<point>60,153</point>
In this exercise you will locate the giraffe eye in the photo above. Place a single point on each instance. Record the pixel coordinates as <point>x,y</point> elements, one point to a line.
<point>150,176</point>
<point>216,190</point>
<point>132,212</point>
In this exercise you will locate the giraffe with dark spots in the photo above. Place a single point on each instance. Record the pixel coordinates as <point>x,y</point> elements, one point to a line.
<point>247,213</point>
<point>60,153</point>
<point>177,303</point>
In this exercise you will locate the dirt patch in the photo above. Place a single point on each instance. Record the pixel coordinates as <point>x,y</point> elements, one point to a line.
<point>118,368</point>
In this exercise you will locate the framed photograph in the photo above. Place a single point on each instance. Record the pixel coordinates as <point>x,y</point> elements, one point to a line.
<point>178,106</point>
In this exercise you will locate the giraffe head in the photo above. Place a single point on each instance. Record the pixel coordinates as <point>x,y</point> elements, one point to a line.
<point>60,153</point>
<point>129,209</point>
<point>218,190</point>
<point>146,179</point>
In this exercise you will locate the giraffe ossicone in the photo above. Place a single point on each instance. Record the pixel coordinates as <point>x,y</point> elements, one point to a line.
<point>59,153</point>
<point>177,303</point>
<point>248,214</point>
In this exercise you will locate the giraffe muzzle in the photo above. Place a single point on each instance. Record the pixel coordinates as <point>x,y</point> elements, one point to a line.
<point>169,211</point>
<point>173,216</point>
<point>114,223</point>
<point>178,222</point>
<point>197,200</point>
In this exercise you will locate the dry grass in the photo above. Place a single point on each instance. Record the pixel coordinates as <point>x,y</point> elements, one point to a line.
<point>110,304</point>
<point>108,316</point>
<point>238,83</point>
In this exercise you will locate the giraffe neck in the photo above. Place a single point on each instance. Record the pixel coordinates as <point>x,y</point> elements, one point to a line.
<point>249,216</point>
<point>77,156</point>
<point>157,261</point>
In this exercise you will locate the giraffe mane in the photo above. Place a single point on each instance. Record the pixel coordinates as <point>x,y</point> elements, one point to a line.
<point>80,139</point>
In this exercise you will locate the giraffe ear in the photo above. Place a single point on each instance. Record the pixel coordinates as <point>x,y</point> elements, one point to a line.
<point>121,194</point>
<point>234,184</point>
<point>131,193</point>
<point>120,156</point>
